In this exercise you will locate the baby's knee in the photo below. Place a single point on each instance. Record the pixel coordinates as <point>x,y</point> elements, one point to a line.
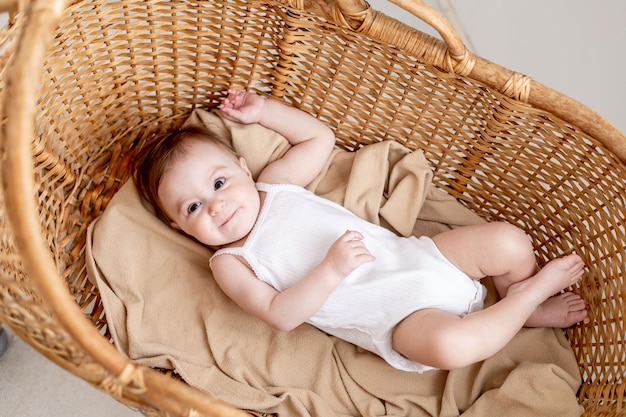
<point>514,243</point>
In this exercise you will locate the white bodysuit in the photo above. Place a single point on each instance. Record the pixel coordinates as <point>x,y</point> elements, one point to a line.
<point>293,233</point>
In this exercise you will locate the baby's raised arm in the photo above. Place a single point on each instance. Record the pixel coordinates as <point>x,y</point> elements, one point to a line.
<point>312,140</point>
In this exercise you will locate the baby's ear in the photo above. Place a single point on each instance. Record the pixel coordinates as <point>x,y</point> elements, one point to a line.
<point>244,165</point>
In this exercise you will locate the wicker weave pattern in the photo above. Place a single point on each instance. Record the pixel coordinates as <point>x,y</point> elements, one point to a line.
<point>120,72</point>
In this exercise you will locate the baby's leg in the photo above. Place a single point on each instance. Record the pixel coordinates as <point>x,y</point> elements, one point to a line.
<point>505,252</point>
<point>446,341</point>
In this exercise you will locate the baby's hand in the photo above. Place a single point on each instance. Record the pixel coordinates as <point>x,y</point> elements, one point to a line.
<point>348,253</point>
<point>242,106</point>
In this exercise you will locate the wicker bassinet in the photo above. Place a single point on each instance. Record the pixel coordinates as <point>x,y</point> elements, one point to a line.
<point>79,97</point>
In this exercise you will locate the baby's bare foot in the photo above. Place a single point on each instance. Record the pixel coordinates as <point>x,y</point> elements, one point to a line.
<point>562,310</point>
<point>557,275</point>
<point>554,277</point>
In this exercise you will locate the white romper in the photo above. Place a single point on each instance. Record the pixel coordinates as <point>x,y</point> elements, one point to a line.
<point>292,235</point>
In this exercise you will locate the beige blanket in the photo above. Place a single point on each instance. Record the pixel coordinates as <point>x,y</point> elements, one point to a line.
<point>164,309</point>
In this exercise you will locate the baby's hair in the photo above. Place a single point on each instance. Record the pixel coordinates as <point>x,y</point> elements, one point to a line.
<point>153,160</point>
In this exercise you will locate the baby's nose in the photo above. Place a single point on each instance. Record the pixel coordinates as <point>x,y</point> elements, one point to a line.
<point>216,206</point>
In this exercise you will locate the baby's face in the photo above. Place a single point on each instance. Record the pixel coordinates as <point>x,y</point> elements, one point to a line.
<point>209,194</point>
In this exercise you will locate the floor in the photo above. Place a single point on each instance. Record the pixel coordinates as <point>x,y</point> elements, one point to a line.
<point>32,386</point>
<point>570,45</point>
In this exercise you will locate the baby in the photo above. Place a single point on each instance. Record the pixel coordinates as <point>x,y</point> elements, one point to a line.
<point>287,256</point>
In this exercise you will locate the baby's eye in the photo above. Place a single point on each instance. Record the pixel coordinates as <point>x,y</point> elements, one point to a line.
<point>193,207</point>
<point>219,183</point>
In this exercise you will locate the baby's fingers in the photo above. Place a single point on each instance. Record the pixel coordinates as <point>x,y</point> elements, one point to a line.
<point>358,250</point>
<point>363,255</point>
<point>236,97</point>
<point>231,113</point>
<point>232,100</point>
<point>351,235</point>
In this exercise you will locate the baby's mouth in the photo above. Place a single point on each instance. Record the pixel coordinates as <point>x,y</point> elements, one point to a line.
<point>229,218</point>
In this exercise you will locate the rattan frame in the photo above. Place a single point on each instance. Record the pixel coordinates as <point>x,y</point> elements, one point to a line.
<point>504,145</point>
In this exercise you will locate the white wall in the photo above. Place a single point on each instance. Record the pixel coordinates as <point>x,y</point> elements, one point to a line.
<point>574,46</point>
